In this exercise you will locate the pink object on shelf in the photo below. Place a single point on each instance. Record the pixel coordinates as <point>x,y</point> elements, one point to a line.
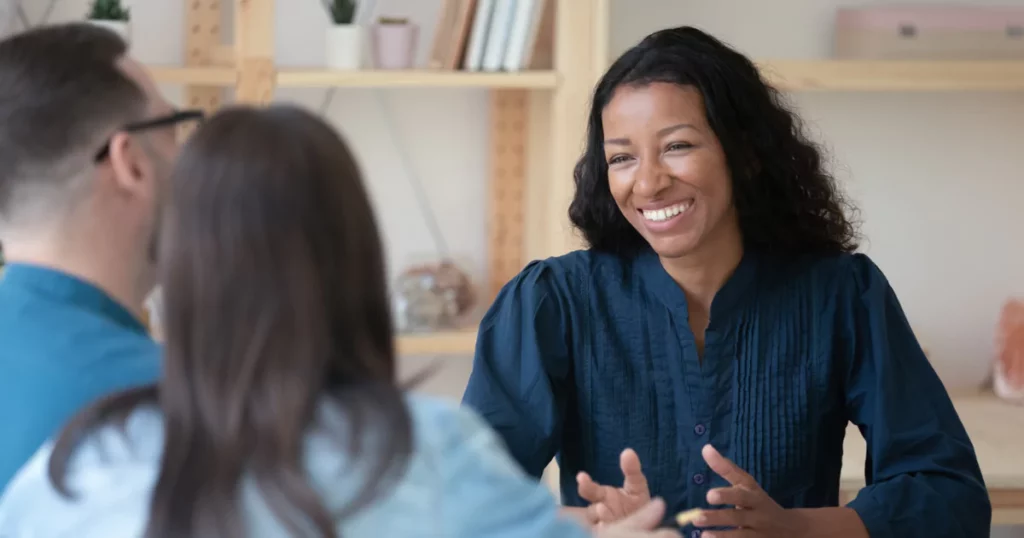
<point>930,32</point>
<point>1008,374</point>
<point>394,45</point>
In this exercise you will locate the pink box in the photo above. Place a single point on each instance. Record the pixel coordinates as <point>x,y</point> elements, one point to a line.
<point>930,32</point>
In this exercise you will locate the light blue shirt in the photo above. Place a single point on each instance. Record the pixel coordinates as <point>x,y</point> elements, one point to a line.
<point>63,344</point>
<point>460,483</point>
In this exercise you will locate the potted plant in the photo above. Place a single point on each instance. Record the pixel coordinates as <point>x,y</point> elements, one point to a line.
<point>344,36</point>
<point>394,43</point>
<point>113,15</point>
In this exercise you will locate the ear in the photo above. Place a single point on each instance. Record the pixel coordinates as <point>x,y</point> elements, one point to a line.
<point>132,167</point>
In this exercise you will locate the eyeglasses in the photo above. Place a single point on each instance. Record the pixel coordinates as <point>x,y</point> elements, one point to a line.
<point>173,118</point>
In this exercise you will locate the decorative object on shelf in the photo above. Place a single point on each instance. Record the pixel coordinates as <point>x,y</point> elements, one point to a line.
<point>344,37</point>
<point>930,32</point>
<point>113,15</point>
<point>394,43</point>
<point>1008,370</point>
<point>432,297</point>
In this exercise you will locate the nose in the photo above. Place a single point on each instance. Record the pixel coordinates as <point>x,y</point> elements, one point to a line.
<point>652,177</point>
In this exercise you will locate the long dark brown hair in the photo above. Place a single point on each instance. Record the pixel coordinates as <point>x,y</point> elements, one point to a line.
<point>275,303</point>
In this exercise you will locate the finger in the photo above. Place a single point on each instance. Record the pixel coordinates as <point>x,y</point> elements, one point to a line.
<point>726,469</point>
<point>635,483</point>
<point>732,533</point>
<point>668,533</point>
<point>588,489</point>
<point>738,496</point>
<point>726,517</point>
<point>646,518</point>
<point>604,513</point>
<point>594,513</point>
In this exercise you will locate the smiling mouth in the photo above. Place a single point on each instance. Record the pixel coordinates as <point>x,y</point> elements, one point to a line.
<point>665,213</point>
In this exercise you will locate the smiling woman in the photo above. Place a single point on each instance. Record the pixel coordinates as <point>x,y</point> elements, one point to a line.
<point>720,302</point>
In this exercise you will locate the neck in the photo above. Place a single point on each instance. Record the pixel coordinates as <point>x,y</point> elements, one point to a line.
<point>101,263</point>
<point>702,273</point>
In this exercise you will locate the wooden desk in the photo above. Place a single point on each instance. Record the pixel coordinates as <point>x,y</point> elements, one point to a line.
<point>997,431</point>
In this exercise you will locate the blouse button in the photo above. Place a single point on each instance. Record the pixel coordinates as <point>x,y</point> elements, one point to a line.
<point>698,479</point>
<point>700,429</point>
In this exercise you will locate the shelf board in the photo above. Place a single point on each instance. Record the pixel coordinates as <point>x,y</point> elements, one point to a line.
<point>439,343</point>
<point>857,75</point>
<point>193,76</point>
<point>320,78</point>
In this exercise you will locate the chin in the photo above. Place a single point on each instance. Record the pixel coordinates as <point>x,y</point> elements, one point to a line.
<point>676,247</point>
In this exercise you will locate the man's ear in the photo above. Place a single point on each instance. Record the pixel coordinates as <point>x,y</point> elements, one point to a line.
<point>129,162</point>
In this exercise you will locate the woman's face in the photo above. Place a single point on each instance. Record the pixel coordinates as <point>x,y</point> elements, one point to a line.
<point>666,169</point>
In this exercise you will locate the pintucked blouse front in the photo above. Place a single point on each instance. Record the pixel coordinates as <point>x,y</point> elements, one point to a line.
<point>584,355</point>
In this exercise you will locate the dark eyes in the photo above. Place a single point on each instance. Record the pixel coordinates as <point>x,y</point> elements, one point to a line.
<point>675,146</point>
<point>617,159</point>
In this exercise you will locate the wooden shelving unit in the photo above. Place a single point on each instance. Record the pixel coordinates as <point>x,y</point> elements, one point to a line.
<point>313,78</point>
<point>194,76</point>
<point>536,116</point>
<point>789,75</point>
<point>894,76</point>
<point>442,343</point>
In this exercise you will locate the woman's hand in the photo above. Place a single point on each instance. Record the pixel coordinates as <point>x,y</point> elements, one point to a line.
<point>755,514</point>
<point>640,524</point>
<point>609,504</point>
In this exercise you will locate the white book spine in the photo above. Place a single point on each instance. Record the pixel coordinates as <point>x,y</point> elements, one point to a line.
<point>478,35</point>
<point>497,37</point>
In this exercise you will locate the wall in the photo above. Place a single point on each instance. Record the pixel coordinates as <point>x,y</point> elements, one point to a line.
<point>937,176</point>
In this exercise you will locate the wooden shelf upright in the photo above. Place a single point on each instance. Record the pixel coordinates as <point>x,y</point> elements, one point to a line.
<point>537,121</point>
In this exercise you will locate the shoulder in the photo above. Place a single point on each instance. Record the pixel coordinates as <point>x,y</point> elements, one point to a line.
<point>830,273</point>
<point>109,477</point>
<point>445,425</point>
<point>458,435</point>
<point>571,273</point>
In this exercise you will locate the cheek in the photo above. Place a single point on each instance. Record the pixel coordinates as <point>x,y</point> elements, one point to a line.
<point>707,175</point>
<point>620,183</point>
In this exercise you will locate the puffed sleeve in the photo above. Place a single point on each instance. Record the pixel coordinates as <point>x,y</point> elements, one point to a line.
<point>923,478</point>
<point>522,365</point>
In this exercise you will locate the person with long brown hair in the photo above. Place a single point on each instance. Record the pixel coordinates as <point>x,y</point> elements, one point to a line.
<point>278,412</point>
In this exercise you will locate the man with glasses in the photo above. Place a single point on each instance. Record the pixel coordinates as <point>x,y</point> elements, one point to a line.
<point>86,148</point>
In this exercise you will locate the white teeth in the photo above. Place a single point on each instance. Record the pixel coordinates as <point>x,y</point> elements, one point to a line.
<point>666,213</point>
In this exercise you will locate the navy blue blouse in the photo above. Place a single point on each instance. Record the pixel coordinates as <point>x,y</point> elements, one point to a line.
<point>584,355</point>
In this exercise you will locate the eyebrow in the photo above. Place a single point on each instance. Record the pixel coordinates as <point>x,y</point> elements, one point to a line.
<point>662,132</point>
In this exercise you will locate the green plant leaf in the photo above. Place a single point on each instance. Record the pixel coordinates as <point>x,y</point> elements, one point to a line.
<point>108,10</point>
<point>341,11</point>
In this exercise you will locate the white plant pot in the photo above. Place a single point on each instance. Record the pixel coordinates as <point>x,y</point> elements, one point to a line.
<point>345,46</point>
<point>121,28</point>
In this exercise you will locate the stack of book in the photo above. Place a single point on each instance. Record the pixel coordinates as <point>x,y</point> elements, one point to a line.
<point>494,35</point>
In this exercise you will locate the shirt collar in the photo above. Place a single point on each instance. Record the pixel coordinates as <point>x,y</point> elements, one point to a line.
<point>736,288</point>
<point>65,288</point>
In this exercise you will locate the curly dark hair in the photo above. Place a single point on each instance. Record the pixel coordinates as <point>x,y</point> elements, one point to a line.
<point>786,201</point>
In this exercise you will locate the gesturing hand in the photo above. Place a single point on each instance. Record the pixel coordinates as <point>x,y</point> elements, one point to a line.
<point>755,514</point>
<point>640,524</point>
<point>608,503</point>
